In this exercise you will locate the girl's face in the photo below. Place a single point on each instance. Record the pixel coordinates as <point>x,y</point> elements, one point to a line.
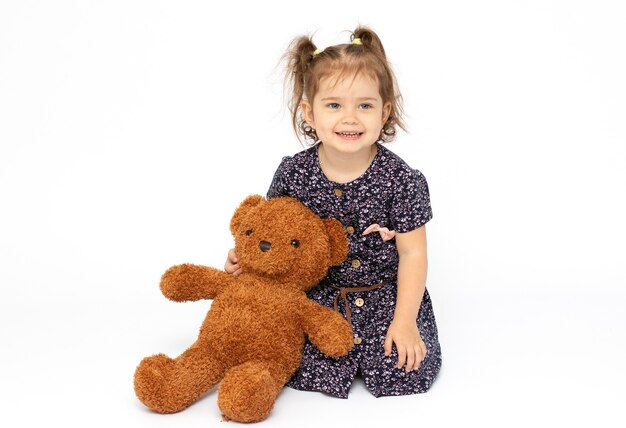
<point>347,114</point>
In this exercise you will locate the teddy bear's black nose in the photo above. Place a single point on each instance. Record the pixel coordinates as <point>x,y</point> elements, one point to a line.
<point>265,246</point>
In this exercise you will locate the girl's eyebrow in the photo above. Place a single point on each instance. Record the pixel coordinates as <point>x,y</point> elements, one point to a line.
<point>340,98</point>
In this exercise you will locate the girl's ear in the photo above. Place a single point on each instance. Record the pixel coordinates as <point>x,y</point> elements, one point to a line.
<point>307,112</point>
<point>386,111</point>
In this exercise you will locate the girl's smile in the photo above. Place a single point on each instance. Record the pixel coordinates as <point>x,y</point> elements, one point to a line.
<point>349,136</point>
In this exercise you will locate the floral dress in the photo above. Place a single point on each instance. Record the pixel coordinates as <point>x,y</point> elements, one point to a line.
<point>392,195</point>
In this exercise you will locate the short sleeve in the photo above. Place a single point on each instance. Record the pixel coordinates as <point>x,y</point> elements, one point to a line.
<point>411,202</point>
<point>278,186</point>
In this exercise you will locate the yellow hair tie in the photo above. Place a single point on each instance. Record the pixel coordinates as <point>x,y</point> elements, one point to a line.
<point>356,41</point>
<point>316,52</point>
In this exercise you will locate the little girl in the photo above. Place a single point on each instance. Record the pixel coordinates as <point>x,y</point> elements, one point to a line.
<point>345,100</point>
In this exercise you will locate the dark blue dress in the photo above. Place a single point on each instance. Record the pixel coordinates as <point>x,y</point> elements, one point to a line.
<point>393,195</point>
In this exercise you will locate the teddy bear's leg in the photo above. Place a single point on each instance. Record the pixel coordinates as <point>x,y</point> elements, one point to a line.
<point>248,391</point>
<point>169,385</point>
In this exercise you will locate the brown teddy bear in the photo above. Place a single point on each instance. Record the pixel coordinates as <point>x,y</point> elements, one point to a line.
<point>252,338</point>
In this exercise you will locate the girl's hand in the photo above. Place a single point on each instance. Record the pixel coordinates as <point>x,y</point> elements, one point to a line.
<point>231,265</point>
<point>409,343</point>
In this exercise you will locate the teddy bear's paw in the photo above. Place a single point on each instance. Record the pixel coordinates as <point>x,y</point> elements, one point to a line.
<point>338,345</point>
<point>154,384</point>
<point>175,282</point>
<point>336,340</point>
<point>188,282</point>
<point>248,392</point>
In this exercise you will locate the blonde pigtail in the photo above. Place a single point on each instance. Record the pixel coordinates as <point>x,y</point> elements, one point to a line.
<point>298,57</point>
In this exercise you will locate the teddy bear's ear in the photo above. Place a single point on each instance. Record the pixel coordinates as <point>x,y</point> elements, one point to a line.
<point>337,239</point>
<point>248,203</point>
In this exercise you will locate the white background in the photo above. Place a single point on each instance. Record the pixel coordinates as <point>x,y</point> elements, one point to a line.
<point>130,131</point>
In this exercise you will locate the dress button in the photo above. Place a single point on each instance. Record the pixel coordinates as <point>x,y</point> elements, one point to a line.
<point>350,230</point>
<point>338,193</point>
<point>357,340</point>
<point>356,263</point>
<point>359,302</point>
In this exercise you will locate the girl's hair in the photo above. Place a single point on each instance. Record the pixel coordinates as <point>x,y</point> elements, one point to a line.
<point>306,66</point>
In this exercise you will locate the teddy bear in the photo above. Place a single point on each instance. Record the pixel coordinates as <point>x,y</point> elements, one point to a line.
<point>252,338</point>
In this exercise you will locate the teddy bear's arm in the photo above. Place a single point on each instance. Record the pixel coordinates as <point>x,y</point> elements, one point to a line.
<point>327,329</point>
<point>193,282</point>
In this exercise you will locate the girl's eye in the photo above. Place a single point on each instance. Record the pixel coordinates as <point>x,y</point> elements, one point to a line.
<point>295,243</point>
<point>365,106</point>
<point>249,232</point>
<point>333,106</point>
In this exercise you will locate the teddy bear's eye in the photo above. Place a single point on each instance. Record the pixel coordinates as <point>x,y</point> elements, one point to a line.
<point>295,243</point>
<point>249,232</point>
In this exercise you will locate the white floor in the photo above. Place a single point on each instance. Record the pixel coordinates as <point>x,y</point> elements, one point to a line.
<point>508,361</point>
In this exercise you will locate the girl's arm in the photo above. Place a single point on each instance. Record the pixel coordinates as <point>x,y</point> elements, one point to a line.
<point>412,270</point>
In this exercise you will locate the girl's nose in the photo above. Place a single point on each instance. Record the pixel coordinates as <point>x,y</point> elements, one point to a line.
<point>349,120</point>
